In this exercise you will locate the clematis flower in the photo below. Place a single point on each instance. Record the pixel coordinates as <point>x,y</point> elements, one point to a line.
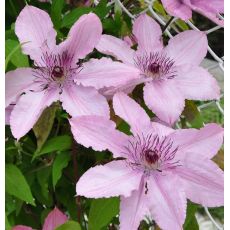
<point>161,167</point>
<point>54,219</point>
<point>55,70</point>
<point>183,9</point>
<point>171,74</point>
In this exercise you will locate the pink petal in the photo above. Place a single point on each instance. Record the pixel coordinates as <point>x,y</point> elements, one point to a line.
<point>54,219</point>
<point>99,133</point>
<point>133,209</point>
<point>148,34</point>
<point>166,201</point>
<point>164,99</point>
<point>188,47</point>
<point>214,6</point>
<point>129,40</point>
<point>8,111</point>
<point>78,100</point>
<point>204,10</point>
<point>178,9</point>
<point>104,72</point>
<point>28,109</point>
<point>115,47</point>
<point>17,82</point>
<point>35,28</point>
<point>205,142</point>
<point>160,129</point>
<point>131,112</point>
<point>196,83</point>
<point>203,180</point>
<point>83,36</point>
<point>21,227</point>
<point>113,179</point>
<point>126,88</point>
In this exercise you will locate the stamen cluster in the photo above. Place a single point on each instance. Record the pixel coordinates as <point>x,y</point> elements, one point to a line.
<point>55,70</point>
<point>156,66</point>
<point>152,153</point>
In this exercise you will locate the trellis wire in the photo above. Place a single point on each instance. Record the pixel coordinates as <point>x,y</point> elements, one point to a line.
<point>219,60</point>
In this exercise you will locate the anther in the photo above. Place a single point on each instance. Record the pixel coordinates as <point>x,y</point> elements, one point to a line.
<point>57,72</point>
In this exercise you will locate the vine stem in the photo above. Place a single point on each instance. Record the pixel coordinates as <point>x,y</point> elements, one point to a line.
<point>167,24</point>
<point>75,168</point>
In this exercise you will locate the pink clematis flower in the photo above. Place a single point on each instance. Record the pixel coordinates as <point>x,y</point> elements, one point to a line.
<point>54,219</point>
<point>161,166</point>
<point>183,9</point>
<point>55,70</point>
<point>171,74</point>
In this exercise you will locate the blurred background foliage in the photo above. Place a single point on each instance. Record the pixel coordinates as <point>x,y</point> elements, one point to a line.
<point>42,167</point>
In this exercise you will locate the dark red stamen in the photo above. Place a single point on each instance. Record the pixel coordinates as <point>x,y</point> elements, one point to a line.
<point>57,72</point>
<point>154,67</point>
<point>151,156</point>
<point>152,152</point>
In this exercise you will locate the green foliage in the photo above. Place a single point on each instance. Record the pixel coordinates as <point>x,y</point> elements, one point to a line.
<point>191,222</point>
<point>70,225</point>
<point>44,125</point>
<point>192,114</point>
<point>17,185</point>
<point>8,226</point>
<point>102,211</point>
<point>56,12</point>
<point>59,143</point>
<point>14,54</point>
<point>101,10</point>
<point>74,15</point>
<point>60,162</point>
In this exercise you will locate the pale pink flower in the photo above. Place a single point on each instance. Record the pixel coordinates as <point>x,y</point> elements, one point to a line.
<point>54,219</point>
<point>21,227</point>
<point>161,166</point>
<point>171,74</point>
<point>183,9</point>
<point>55,70</point>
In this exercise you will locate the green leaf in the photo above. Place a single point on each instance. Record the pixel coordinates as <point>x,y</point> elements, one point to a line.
<point>43,180</point>
<point>124,127</point>
<point>59,143</point>
<point>44,125</point>
<point>191,222</point>
<point>8,226</point>
<point>217,212</point>
<point>159,8</point>
<point>56,12</point>
<point>17,185</point>
<point>192,114</point>
<point>101,9</point>
<point>70,225</point>
<point>182,24</point>
<point>102,211</point>
<point>60,162</point>
<point>70,18</point>
<point>14,54</point>
<point>219,159</point>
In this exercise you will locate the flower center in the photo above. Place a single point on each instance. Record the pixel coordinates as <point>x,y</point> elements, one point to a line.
<point>57,72</point>
<point>151,156</point>
<point>151,153</point>
<point>156,66</point>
